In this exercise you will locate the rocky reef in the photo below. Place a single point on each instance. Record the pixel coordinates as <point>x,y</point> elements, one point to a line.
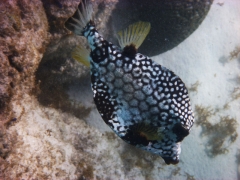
<point>23,40</point>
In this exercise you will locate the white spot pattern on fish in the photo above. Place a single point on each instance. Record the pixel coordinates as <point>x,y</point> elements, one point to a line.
<point>145,104</point>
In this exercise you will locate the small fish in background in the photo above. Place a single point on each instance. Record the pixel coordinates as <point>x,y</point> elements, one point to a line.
<point>144,103</point>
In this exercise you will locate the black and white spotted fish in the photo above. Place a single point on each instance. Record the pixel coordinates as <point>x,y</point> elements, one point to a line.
<point>144,103</point>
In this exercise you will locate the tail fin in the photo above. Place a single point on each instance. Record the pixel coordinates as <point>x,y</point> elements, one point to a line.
<point>81,17</point>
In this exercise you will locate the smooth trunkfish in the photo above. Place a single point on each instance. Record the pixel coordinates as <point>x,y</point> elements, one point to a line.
<point>144,103</point>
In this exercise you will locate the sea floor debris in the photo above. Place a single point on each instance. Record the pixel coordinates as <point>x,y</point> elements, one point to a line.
<point>220,135</point>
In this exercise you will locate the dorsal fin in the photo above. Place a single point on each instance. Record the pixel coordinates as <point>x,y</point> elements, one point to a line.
<point>134,34</point>
<point>81,54</point>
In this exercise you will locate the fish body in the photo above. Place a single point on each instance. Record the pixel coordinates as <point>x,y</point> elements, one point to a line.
<point>144,103</point>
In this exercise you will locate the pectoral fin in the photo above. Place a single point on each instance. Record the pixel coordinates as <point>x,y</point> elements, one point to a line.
<point>81,54</point>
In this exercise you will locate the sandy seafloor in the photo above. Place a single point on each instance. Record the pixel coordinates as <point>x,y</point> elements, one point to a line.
<point>203,58</point>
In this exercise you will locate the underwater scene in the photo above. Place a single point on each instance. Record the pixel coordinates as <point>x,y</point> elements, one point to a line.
<point>119,89</point>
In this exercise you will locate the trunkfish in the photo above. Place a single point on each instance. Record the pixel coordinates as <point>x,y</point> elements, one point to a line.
<point>144,103</point>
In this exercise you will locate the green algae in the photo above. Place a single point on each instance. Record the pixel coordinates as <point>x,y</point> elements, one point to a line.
<point>194,87</point>
<point>234,54</point>
<point>220,135</point>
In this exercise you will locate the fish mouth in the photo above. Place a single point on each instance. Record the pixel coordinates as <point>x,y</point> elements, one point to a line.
<point>170,160</point>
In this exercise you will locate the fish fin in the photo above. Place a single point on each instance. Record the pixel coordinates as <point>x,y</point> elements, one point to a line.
<point>81,54</point>
<point>150,132</point>
<point>134,34</point>
<point>143,133</point>
<point>80,18</point>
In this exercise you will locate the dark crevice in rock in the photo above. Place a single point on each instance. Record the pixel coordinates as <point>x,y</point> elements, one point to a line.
<point>57,74</point>
<point>14,64</point>
<point>12,85</point>
<point>3,102</point>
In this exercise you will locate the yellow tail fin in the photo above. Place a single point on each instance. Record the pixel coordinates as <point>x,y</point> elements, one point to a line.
<point>81,54</point>
<point>81,17</point>
<point>134,34</point>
